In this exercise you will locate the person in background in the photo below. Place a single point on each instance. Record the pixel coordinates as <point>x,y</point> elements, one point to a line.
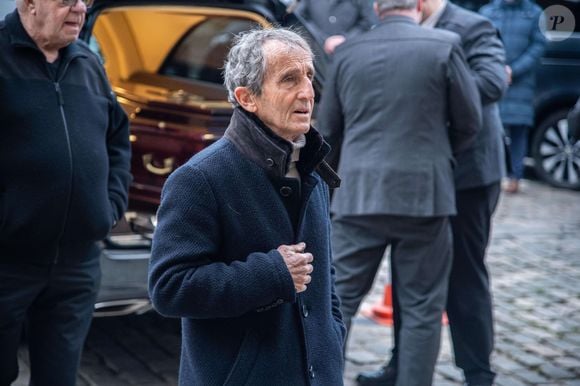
<point>518,23</point>
<point>478,175</point>
<point>64,178</point>
<point>242,248</point>
<point>337,20</point>
<point>398,104</point>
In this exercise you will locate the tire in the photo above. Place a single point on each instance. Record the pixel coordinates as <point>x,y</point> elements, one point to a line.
<point>556,155</point>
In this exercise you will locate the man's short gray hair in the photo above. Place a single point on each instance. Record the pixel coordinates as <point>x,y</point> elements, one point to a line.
<point>388,5</point>
<point>246,63</point>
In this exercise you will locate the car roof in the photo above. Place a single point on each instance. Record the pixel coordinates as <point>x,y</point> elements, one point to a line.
<point>272,10</point>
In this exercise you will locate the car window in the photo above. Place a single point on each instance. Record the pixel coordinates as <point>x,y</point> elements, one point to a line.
<point>201,52</point>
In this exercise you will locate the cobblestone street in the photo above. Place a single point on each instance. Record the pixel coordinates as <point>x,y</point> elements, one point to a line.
<point>534,259</point>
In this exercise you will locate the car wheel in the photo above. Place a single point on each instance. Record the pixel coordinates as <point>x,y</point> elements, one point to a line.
<point>557,155</point>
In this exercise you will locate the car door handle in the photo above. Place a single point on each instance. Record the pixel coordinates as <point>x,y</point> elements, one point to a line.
<point>168,164</point>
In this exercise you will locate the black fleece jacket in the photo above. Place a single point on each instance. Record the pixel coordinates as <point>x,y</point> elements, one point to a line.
<point>64,151</point>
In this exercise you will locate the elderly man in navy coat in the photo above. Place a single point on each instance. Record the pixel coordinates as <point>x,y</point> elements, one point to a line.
<point>242,248</point>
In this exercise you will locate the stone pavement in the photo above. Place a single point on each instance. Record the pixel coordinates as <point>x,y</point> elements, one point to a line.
<point>534,260</point>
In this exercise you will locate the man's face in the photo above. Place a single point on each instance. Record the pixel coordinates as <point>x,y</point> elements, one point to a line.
<point>287,98</point>
<point>56,25</point>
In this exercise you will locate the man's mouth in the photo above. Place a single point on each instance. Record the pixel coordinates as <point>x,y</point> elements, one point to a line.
<point>72,24</point>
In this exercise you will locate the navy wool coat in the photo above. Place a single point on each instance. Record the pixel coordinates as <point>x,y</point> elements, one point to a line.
<point>215,263</point>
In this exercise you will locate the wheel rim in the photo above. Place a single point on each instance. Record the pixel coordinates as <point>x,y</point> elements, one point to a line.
<point>560,156</point>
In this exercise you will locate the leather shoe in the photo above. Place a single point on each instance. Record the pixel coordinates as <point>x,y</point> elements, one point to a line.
<point>386,376</point>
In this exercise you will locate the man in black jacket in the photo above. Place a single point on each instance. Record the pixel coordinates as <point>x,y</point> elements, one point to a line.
<point>64,175</point>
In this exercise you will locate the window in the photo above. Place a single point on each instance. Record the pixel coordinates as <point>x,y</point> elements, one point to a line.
<point>201,52</point>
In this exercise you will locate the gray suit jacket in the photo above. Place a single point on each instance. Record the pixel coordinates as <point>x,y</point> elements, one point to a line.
<point>338,17</point>
<point>398,103</point>
<point>484,162</point>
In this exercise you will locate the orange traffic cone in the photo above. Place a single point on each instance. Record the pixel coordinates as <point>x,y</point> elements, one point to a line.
<point>382,313</point>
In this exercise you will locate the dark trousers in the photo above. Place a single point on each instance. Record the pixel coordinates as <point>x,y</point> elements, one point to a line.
<point>56,304</point>
<point>469,303</point>
<point>518,135</point>
<point>420,262</point>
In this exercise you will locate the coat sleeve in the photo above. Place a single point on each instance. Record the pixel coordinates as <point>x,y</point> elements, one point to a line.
<point>463,102</point>
<point>119,152</point>
<point>485,55</point>
<point>529,59</point>
<point>330,116</point>
<point>188,277</point>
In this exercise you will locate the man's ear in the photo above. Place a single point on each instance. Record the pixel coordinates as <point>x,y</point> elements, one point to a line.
<point>30,6</point>
<point>245,99</point>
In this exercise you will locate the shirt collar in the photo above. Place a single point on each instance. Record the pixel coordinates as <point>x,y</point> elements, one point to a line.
<point>270,151</point>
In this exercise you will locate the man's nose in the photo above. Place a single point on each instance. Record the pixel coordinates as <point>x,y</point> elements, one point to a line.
<point>307,89</point>
<point>79,6</point>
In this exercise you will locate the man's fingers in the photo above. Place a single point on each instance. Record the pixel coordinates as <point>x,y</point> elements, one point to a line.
<point>297,247</point>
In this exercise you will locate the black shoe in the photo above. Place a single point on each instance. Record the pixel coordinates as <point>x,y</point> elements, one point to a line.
<point>386,376</point>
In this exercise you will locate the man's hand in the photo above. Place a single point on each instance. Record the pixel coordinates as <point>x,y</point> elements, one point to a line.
<point>508,71</point>
<point>332,42</point>
<point>298,264</point>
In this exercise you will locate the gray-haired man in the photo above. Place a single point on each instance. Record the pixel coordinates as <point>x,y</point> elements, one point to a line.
<point>398,104</point>
<point>242,248</point>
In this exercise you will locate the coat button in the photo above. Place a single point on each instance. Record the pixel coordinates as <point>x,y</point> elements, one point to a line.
<point>332,19</point>
<point>311,371</point>
<point>269,162</point>
<point>305,311</point>
<point>285,191</point>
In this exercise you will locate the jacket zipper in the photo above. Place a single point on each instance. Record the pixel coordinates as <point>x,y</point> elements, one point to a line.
<point>70,164</point>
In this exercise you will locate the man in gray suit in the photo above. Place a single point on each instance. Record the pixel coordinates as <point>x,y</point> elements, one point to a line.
<point>478,175</point>
<point>337,20</point>
<point>398,103</point>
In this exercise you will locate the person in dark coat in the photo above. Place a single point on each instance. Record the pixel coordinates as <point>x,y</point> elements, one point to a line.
<point>398,104</point>
<point>242,247</point>
<point>64,178</point>
<point>478,175</point>
<point>334,21</point>
<point>518,23</point>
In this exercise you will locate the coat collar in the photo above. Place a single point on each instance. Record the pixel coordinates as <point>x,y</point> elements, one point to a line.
<point>446,15</point>
<point>20,38</point>
<point>397,19</point>
<point>272,153</point>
